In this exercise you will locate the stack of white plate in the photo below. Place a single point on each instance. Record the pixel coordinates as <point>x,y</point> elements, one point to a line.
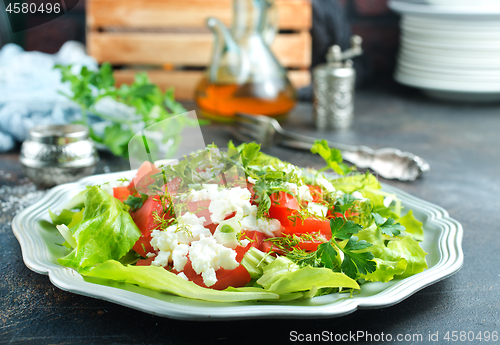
<point>449,50</point>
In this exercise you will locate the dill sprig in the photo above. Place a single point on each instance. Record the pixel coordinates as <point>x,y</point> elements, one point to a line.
<point>289,246</point>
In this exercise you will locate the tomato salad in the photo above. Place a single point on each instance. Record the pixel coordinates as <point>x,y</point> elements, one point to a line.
<point>243,222</point>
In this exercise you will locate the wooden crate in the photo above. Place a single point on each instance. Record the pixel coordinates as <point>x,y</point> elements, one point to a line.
<point>169,39</point>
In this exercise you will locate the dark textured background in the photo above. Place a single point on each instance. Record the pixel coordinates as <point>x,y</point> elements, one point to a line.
<point>335,20</point>
<point>461,144</point>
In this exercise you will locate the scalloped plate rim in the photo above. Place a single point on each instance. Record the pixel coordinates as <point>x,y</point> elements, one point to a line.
<point>451,260</point>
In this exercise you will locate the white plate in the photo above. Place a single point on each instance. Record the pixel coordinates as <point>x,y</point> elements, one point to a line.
<point>447,24</point>
<point>451,34</point>
<point>452,60</point>
<point>470,48</point>
<point>456,39</point>
<point>464,12</point>
<point>482,72</point>
<point>443,242</point>
<point>415,79</point>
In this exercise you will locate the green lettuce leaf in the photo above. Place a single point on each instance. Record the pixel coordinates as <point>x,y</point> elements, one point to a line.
<point>389,255</point>
<point>410,250</point>
<point>282,276</point>
<point>158,279</point>
<point>65,217</point>
<point>106,231</point>
<point>308,278</point>
<point>386,270</point>
<point>414,228</point>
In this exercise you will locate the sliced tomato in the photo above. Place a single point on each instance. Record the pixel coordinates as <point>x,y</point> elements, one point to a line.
<point>283,199</point>
<point>143,218</point>
<point>266,246</point>
<point>200,209</point>
<point>312,245</point>
<point>144,177</point>
<point>145,262</point>
<point>225,278</point>
<point>143,245</point>
<point>121,193</point>
<point>131,188</point>
<point>307,226</point>
<point>173,185</point>
<point>256,238</point>
<point>283,205</point>
<point>316,193</point>
<point>252,192</point>
<point>348,214</point>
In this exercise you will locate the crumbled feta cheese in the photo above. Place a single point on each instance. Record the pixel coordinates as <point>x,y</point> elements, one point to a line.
<point>200,195</point>
<point>317,209</point>
<point>179,256</point>
<point>162,259</point>
<point>269,227</point>
<point>358,195</point>
<point>209,277</point>
<point>189,228</point>
<point>292,187</point>
<point>251,180</point>
<point>207,256</point>
<point>323,182</point>
<point>108,186</point>
<point>338,194</point>
<point>209,173</point>
<point>166,162</point>
<point>304,193</point>
<point>228,201</point>
<point>182,275</point>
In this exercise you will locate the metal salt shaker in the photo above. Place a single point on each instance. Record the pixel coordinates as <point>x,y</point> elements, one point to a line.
<point>333,87</point>
<point>56,154</point>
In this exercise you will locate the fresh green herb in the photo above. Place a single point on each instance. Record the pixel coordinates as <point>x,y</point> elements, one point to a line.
<point>184,227</point>
<point>135,202</point>
<point>332,157</point>
<point>343,230</point>
<point>388,226</point>
<point>354,262</point>
<point>150,104</point>
<point>357,262</point>
<point>263,190</point>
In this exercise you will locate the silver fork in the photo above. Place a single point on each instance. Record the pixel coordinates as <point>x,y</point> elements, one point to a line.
<point>388,163</point>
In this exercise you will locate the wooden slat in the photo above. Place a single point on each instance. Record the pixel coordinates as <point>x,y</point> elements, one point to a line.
<point>293,14</point>
<point>292,50</point>
<point>185,82</point>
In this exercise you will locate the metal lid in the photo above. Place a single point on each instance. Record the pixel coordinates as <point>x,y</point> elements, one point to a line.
<point>58,146</point>
<point>58,134</point>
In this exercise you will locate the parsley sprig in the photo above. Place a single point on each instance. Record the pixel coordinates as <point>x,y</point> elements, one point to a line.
<point>388,226</point>
<point>151,105</point>
<point>354,262</point>
<point>332,157</point>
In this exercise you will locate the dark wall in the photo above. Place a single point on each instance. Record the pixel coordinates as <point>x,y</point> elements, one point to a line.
<point>379,28</point>
<point>371,19</point>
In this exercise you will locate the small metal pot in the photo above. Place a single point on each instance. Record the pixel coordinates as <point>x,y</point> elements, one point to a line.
<point>57,154</point>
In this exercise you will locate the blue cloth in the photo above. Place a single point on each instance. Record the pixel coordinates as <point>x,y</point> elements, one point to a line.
<point>29,90</point>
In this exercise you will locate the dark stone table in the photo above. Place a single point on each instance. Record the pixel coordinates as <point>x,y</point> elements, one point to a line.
<point>461,142</point>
